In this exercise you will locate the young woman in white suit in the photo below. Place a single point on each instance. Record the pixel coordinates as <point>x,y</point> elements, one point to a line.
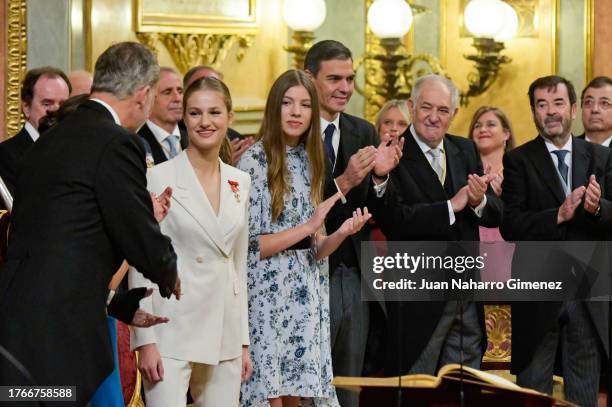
<point>204,346</point>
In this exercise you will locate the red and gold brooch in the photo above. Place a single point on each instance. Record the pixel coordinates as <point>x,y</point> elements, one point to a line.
<point>235,189</point>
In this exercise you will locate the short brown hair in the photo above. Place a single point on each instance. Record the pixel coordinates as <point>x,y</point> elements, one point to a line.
<point>551,82</point>
<point>33,75</point>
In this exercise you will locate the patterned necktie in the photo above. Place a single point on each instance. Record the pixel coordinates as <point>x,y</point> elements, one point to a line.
<point>561,165</point>
<point>436,163</point>
<point>172,143</point>
<point>329,147</point>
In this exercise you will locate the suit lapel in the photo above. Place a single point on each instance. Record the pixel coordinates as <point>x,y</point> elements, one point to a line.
<point>348,145</point>
<point>456,165</point>
<point>184,138</point>
<point>192,198</point>
<point>156,150</point>
<point>421,171</point>
<point>540,158</point>
<point>581,157</point>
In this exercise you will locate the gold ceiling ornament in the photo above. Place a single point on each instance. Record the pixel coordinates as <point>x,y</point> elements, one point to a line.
<point>499,333</point>
<point>188,50</point>
<point>16,63</point>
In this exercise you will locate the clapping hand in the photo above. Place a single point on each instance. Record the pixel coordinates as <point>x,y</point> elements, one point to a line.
<point>388,155</point>
<point>161,203</point>
<point>592,196</point>
<point>568,207</point>
<point>318,217</point>
<point>354,224</point>
<point>239,146</point>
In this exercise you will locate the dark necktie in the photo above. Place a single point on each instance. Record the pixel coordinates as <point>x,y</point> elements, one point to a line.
<point>329,147</point>
<point>561,165</point>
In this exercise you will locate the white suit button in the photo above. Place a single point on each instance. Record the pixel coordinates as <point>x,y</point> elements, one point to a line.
<point>200,259</point>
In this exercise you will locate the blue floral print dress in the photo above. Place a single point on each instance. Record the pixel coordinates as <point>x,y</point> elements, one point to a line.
<point>288,295</point>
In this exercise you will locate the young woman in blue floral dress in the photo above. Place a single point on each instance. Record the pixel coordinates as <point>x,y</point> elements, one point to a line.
<point>288,280</point>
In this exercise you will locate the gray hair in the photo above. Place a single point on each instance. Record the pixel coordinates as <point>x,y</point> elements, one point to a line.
<point>416,90</point>
<point>400,104</point>
<point>124,68</point>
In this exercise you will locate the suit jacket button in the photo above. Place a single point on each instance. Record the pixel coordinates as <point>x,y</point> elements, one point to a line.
<point>200,259</point>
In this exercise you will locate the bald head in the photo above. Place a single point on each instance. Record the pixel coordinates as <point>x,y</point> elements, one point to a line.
<point>200,71</point>
<point>81,82</point>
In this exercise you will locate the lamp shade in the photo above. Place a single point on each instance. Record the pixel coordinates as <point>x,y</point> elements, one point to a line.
<point>390,18</point>
<point>304,15</point>
<point>511,23</point>
<point>484,18</point>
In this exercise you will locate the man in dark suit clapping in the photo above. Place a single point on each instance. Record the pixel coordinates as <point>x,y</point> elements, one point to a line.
<point>437,193</point>
<point>351,150</point>
<point>81,207</point>
<point>557,188</point>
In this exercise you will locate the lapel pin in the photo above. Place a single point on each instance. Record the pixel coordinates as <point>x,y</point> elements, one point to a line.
<point>235,189</point>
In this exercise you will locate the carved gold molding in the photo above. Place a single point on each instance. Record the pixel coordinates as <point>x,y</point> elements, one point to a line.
<point>188,50</point>
<point>499,333</point>
<point>16,63</point>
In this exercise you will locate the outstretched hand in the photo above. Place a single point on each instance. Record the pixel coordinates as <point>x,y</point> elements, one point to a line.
<point>161,203</point>
<point>354,224</point>
<point>143,319</point>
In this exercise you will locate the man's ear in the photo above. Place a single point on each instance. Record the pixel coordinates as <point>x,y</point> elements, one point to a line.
<point>141,96</point>
<point>309,74</point>
<point>574,110</point>
<point>25,108</point>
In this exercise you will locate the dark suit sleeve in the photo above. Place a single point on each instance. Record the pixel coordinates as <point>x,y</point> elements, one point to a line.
<point>358,196</point>
<point>128,213</point>
<point>400,220</point>
<point>7,168</point>
<point>604,219</point>
<point>520,223</point>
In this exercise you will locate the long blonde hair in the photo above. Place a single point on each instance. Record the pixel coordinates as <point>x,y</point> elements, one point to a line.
<point>271,134</point>
<point>215,85</point>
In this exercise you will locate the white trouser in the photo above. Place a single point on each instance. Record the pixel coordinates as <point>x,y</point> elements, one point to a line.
<point>211,385</point>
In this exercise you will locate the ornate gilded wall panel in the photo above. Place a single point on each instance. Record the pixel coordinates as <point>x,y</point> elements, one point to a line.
<point>16,63</point>
<point>188,50</point>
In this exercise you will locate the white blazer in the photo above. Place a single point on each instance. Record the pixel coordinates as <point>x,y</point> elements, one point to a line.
<point>209,323</point>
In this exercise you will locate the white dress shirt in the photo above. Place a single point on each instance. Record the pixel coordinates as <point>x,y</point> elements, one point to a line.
<point>110,109</point>
<point>34,134</point>
<point>606,142</point>
<point>161,134</point>
<point>425,148</point>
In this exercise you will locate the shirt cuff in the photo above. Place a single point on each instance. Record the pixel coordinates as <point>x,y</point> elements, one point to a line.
<point>380,189</point>
<point>478,210</point>
<point>342,198</point>
<point>451,214</point>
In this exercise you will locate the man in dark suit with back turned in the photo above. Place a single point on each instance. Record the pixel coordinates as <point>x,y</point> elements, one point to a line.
<point>161,130</point>
<point>557,187</point>
<point>81,207</point>
<point>440,194</point>
<point>350,144</point>
<point>42,90</point>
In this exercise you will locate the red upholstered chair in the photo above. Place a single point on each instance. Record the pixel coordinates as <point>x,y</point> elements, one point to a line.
<point>128,368</point>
